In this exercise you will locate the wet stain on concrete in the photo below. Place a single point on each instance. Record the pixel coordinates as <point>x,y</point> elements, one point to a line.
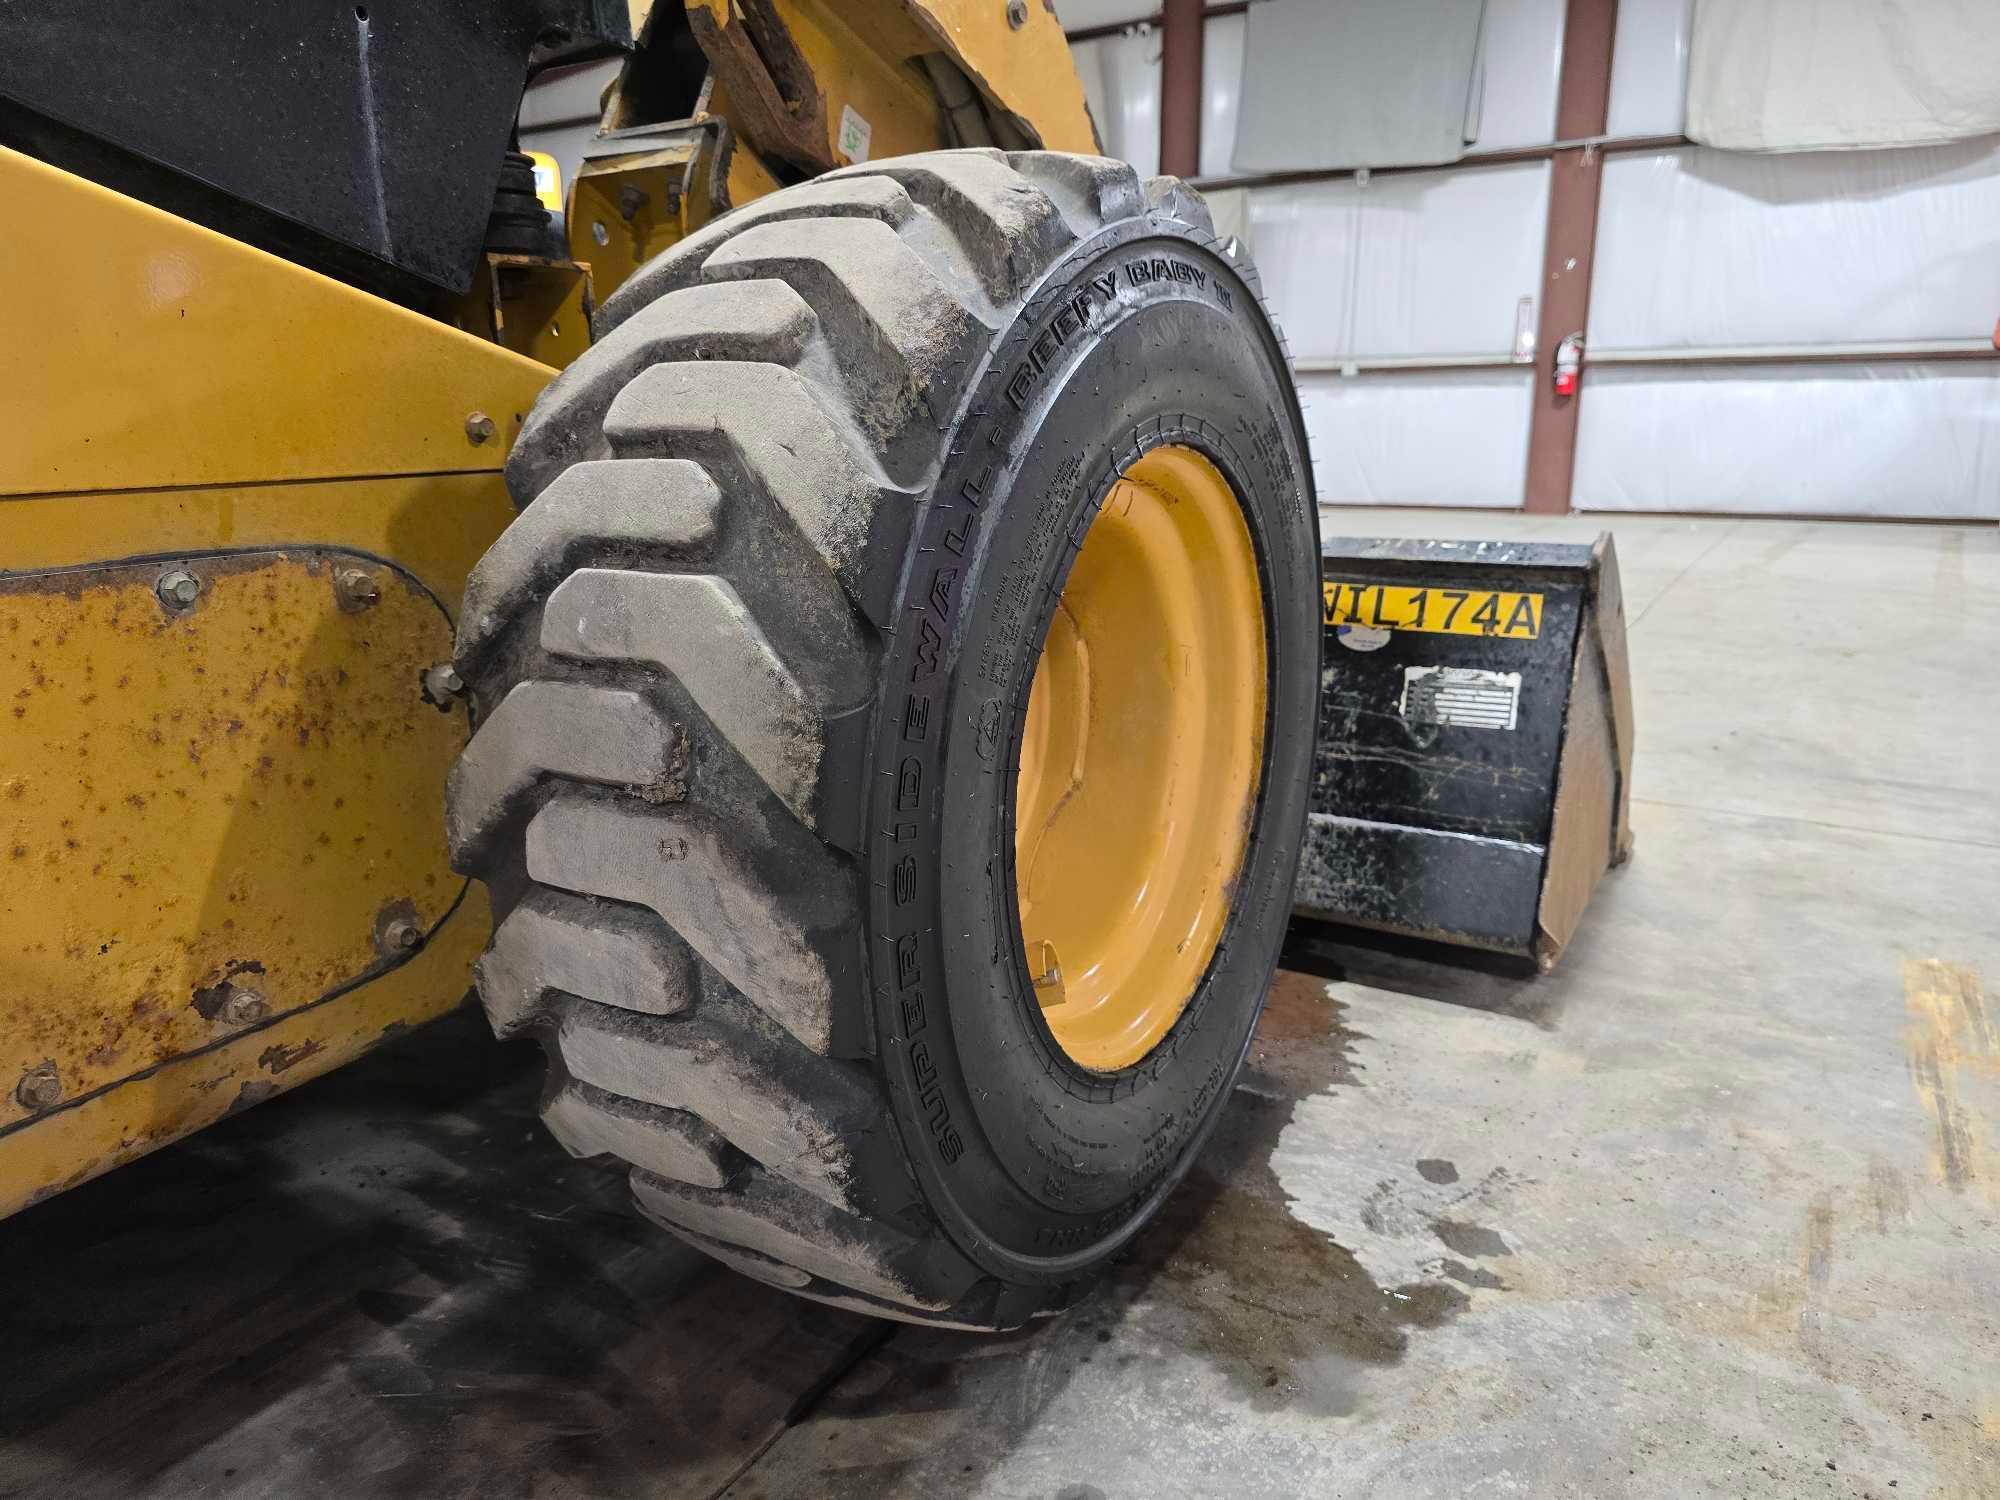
<point>1435,1169</point>
<point>1477,1276</point>
<point>1300,1046</point>
<point>1395,1209</point>
<point>1259,1294</point>
<point>1298,1010</point>
<point>1474,1240</point>
<point>1262,1295</point>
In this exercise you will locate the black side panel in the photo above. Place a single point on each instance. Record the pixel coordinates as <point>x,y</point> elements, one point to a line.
<point>1451,887</point>
<point>1378,757</point>
<point>363,139</point>
<point>1444,703</point>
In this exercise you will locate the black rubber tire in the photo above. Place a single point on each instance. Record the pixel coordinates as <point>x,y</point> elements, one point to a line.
<point>749,672</point>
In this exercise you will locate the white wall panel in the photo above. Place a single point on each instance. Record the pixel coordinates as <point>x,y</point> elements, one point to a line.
<point>1443,260</point>
<point>1450,438</point>
<point>1121,81</point>
<point>559,112</point>
<point>1078,14</point>
<point>1221,88</point>
<point>1917,440</point>
<point>1303,238</point>
<point>1522,51</point>
<point>1649,66</point>
<point>1446,257</point>
<point>1522,47</point>
<point>564,95</point>
<point>1089,60</point>
<point>1700,248</point>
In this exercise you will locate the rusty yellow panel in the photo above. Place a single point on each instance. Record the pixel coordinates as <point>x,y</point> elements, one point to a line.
<point>435,526</point>
<point>624,210</point>
<point>75,1141</point>
<point>541,310</point>
<point>178,397</point>
<point>221,803</point>
<point>867,95</point>
<point>1027,69</point>
<point>746,178</point>
<point>532,305</point>
<point>878,102</point>
<point>144,351</point>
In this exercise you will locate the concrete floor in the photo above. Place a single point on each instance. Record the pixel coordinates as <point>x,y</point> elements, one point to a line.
<point>1712,1210</point>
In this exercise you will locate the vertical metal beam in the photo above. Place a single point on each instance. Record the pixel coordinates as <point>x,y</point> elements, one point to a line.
<point>1181,24</point>
<point>1582,103</point>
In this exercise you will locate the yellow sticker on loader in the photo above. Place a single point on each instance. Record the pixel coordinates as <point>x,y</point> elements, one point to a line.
<point>1435,611</point>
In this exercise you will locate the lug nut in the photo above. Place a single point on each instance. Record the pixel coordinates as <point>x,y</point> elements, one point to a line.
<point>441,684</point>
<point>479,428</point>
<point>401,935</point>
<point>355,589</point>
<point>39,1088</point>
<point>178,588</point>
<point>245,1007</point>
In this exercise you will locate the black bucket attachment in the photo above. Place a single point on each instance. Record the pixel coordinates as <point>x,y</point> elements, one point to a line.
<point>1473,773</point>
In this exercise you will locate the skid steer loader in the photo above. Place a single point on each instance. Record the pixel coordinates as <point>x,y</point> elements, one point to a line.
<point>860,714</point>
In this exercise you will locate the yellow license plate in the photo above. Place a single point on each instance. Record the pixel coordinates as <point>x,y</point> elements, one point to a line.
<point>1437,611</point>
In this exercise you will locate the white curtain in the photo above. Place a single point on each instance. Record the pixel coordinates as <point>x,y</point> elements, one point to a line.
<point>1816,75</point>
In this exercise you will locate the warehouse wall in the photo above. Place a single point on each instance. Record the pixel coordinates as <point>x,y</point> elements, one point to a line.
<point>1767,333</point>
<point>1402,295</point>
<point>1736,299</point>
<point>560,110</point>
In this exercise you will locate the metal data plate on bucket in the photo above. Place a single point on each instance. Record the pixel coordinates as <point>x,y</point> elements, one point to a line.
<point>1473,769</point>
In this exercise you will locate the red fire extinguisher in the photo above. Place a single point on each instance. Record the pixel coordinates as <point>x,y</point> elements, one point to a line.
<point>1569,364</point>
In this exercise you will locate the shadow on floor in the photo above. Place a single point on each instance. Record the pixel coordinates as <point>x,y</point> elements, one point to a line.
<point>1499,983</point>
<point>392,1282</point>
<point>388,1282</point>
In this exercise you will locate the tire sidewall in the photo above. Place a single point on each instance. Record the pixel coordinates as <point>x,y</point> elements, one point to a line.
<point>1144,336</point>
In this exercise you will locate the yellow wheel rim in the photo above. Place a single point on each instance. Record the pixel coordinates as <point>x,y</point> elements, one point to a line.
<point>1140,760</point>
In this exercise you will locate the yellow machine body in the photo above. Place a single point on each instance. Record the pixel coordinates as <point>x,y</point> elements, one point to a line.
<point>206,811</point>
<point>238,504</point>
